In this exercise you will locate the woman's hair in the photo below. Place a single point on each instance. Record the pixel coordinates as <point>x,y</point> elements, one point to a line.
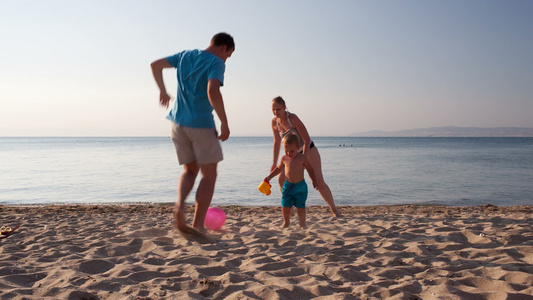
<point>279,100</point>
<point>291,138</point>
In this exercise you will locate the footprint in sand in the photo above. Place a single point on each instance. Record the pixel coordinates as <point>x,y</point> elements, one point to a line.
<point>96,266</point>
<point>25,280</point>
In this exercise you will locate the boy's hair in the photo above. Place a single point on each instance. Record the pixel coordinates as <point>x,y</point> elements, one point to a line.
<point>223,39</point>
<point>291,139</point>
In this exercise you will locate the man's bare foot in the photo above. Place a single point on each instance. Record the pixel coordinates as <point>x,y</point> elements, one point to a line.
<point>188,232</point>
<point>179,221</point>
<point>303,226</point>
<point>196,235</point>
<point>285,225</point>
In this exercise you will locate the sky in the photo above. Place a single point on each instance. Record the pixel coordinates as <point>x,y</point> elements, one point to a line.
<point>82,68</point>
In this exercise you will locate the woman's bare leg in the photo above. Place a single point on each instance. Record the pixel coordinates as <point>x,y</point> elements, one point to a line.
<point>281,180</point>
<point>314,158</point>
<point>301,216</point>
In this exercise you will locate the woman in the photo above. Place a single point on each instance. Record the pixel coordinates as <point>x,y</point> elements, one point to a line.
<point>284,123</point>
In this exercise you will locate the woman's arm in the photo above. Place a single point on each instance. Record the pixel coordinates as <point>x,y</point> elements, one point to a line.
<point>302,131</point>
<point>276,144</point>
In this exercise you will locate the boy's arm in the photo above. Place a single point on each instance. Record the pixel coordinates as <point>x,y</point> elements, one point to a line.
<point>275,172</point>
<point>310,171</point>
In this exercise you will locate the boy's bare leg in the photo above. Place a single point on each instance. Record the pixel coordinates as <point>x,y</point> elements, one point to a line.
<point>281,182</point>
<point>185,186</point>
<point>301,216</point>
<point>286,212</point>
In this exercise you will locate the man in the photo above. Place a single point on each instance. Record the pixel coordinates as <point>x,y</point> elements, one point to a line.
<point>200,74</point>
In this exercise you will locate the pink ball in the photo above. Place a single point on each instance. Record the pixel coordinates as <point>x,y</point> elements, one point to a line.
<point>214,218</point>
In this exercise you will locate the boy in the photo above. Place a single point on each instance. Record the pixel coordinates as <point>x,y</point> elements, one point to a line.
<point>294,189</point>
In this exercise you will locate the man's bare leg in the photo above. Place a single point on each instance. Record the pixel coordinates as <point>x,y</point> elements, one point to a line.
<point>185,185</point>
<point>204,194</point>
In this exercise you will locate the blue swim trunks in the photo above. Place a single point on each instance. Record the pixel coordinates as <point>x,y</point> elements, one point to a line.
<point>294,194</point>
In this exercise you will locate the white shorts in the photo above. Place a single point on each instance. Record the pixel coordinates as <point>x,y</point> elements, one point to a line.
<point>200,145</point>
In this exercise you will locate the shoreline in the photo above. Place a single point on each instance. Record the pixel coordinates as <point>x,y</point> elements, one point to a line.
<point>116,251</point>
<point>166,207</point>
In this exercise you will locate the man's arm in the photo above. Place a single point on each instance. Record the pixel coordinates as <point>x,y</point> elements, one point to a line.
<point>157,72</point>
<point>215,98</point>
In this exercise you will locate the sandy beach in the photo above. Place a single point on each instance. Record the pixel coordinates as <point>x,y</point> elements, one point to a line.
<point>375,252</point>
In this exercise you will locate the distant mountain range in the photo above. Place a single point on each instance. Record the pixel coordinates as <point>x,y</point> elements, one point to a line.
<point>451,131</point>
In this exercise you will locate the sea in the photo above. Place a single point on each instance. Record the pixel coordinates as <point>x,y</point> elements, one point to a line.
<point>360,171</point>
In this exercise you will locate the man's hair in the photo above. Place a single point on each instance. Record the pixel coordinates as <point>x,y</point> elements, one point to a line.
<point>223,39</point>
<point>291,138</point>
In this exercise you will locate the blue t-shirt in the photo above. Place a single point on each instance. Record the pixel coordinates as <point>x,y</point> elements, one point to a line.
<point>194,69</point>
